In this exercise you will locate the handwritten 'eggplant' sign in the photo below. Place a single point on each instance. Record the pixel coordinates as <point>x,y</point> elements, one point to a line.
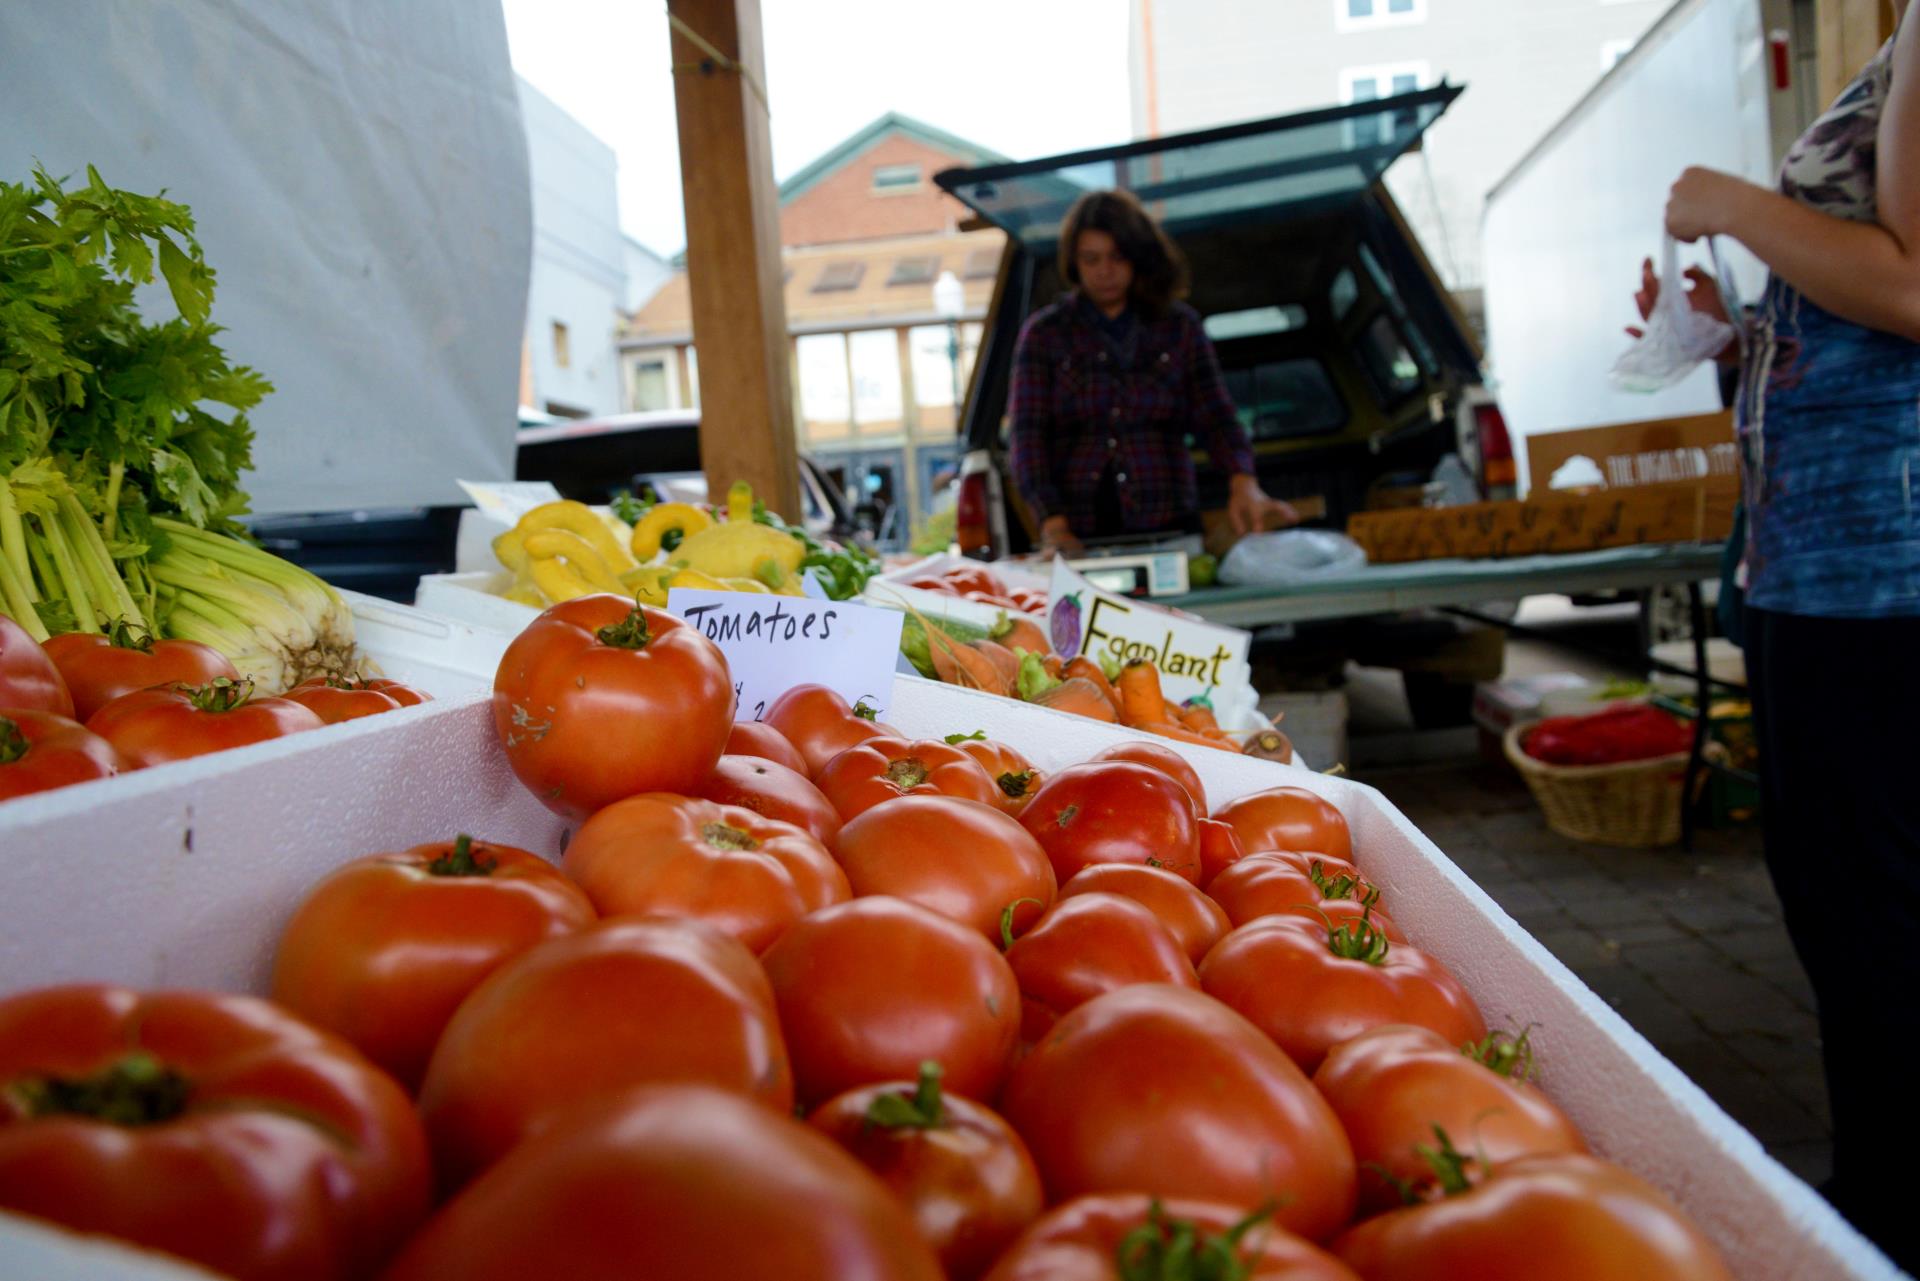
<point>774,643</point>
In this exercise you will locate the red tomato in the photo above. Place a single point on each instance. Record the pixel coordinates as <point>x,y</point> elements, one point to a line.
<point>99,669</point>
<point>1310,987</point>
<point>29,680</point>
<point>334,700</point>
<point>1087,1239</point>
<point>682,1182</point>
<point>1161,1090</point>
<point>961,1170</point>
<point>1086,946</point>
<point>1220,848</point>
<point>772,790</point>
<point>885,769</point>
<point>967,861</point>
<point>405,695</point>
<point>1195,921</point>
<point>999,600</point>
<point>1281,882</point>
<point>600,698</point>
<point>871,989</point>
<point>40,751</point>
<point>1030,601</point>
<point>1390,1086</point>
<point>757,738</point>
<point>1288,818</point>
<point>1543,1218</point>
<point>1167,761</point>
<point>820,725</point>
<point>383,950</point>
<point>215,1128</point>
<point>737,870</point>
<point>973,578</point>
<point>1013,774</point>
<point>618,1004</point>
<point>1116,812</point>
<point>175,722</point>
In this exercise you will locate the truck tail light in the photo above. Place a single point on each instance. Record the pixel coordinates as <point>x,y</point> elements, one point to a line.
<point>1497,467</point>
<point>970,515</point>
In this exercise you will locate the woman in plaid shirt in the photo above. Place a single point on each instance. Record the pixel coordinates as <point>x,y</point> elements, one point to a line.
<point>1109,382</point>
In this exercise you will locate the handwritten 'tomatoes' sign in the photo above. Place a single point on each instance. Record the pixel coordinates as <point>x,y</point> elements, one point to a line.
<point>774,643</point>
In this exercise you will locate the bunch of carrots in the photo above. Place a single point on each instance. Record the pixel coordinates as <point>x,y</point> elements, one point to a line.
<point>1020,664</point>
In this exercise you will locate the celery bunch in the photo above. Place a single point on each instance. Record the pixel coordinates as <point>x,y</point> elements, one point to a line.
<point>123,440</point>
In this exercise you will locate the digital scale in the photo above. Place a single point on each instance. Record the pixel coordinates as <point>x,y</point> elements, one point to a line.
<point>1133,568</point>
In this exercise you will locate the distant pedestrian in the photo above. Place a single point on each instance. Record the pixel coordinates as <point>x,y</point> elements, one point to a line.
<point>1828,419</point>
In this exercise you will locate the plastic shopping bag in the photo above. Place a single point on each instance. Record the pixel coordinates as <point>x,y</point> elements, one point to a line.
<point>1289,556</point>
<point>1677,339</point>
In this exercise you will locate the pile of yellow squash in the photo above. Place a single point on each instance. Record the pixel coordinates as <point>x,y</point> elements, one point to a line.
<point>565,549</point>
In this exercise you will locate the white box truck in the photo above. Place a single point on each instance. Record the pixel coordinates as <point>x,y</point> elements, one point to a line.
<point>1728,84</point>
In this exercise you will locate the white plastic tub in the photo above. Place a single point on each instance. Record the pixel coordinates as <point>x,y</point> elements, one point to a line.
<point>184,876</point>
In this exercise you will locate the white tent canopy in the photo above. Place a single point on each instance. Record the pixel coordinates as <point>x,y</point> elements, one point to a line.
<point>359,176</point>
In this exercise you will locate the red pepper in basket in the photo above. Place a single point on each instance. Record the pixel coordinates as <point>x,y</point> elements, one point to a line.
<point>1633,732</point>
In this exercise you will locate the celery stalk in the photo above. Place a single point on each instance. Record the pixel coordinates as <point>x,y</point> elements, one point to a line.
<point>73,582</point>
<point>15,603</point>
<point>13,540</point>
<point>109,589</point>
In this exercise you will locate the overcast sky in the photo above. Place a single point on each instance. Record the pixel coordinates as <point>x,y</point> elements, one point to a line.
<point>1023,77</point>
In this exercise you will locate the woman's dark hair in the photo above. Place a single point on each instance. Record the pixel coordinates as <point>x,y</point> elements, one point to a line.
<point>1159,271</point>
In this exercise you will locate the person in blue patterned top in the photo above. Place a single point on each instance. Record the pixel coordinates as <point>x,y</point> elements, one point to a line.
<point>1828,419</point>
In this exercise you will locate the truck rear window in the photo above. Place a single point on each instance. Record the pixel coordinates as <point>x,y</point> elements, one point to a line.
<point>1285,399</point>
<point>1391,367</point>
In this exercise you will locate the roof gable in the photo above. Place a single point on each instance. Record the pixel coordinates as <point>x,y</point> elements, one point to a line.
<point>888,125</point>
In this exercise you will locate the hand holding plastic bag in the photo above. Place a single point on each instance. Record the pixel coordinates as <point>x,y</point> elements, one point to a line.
<point>1289,556</point>
<point>1678,337</point>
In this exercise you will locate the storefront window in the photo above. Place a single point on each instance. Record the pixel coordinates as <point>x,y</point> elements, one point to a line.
<point>826,401</point>
<point>692,398</point>
<point>876,382</point>
<point>652,388</point>
<point>934,373</point>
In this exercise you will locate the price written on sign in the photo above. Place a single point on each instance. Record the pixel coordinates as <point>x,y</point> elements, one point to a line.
<point>774,643</point>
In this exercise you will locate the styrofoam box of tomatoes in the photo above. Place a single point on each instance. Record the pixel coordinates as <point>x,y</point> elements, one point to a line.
<point>184,876</point>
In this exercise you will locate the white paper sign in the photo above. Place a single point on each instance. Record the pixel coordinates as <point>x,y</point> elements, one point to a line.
<point>509,500</point>
<point>1194,658</point>
<point>774,643</point>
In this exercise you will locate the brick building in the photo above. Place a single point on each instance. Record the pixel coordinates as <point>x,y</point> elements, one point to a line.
<point>865,235</point>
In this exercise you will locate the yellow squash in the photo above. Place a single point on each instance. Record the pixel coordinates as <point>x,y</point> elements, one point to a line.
<point>742,548</point>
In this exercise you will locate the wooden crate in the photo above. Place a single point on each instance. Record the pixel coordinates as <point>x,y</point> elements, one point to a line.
<point>1676,513</point>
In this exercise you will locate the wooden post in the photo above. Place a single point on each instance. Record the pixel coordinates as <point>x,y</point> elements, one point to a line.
<point>1849,32</point>
<point>734,271</point>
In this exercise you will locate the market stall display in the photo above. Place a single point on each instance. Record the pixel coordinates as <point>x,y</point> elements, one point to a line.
<point>215,832</point>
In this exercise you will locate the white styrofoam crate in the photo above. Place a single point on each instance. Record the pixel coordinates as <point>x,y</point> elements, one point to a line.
<point>473,597</point>
<point>185,875</point>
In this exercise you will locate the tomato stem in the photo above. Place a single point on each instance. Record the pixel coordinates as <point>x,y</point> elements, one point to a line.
<point>13,742</point>
<point>1006,920</point>
<point>1164,1249</point>
<point>1015,784</point>
<point>907,773</point>
<point>136,1089</point>
<point>924,1110</point>
<point>1359,940</point>
<point>1336,887</point>
<point>123,634</point>
<point>1448,1163</point>
<point>221,694</point>
<point>865,711</point>
<point>727,837</point>
<point>1502,1052</point>
<point>978,736</point>
<point>629,633</point>
<point>461,860</point>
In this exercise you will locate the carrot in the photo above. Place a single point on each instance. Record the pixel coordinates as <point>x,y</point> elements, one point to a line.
<point>962,665</point>
<point>1199,718</point>
<point>1271,745</point>
<point>1019,632</point>
<point>1052,665</point>
<point>1079,696</point>
<point>1003,659</point>
<point>1180,734</point>
<point>1141,703</point>
<point>1087,669</point>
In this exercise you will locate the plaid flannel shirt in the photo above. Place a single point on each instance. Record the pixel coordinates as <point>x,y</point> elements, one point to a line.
<point>1079,402</point>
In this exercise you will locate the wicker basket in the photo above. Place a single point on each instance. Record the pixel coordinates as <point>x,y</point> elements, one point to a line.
<point>1634,804</point>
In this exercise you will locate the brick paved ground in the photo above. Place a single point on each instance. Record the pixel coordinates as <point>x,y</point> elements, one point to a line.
<point>1687,947</point>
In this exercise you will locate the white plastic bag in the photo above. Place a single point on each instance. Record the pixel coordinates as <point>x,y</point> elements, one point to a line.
<point>1677,339</point>
<point>1287,557</point>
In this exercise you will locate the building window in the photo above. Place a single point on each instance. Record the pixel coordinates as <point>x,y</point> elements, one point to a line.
<point>840,276</point>
<point>1364,15</point>
<point>895,179</point>
<point>1612,51</point>
<point>875,356</point>
<point>942,358</point>
<point>1368,84</point>
<point>826,397</point>
<point>982,264</point>
<point>652,383</point>
<point>562,351</point>
<point>914,271</point>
